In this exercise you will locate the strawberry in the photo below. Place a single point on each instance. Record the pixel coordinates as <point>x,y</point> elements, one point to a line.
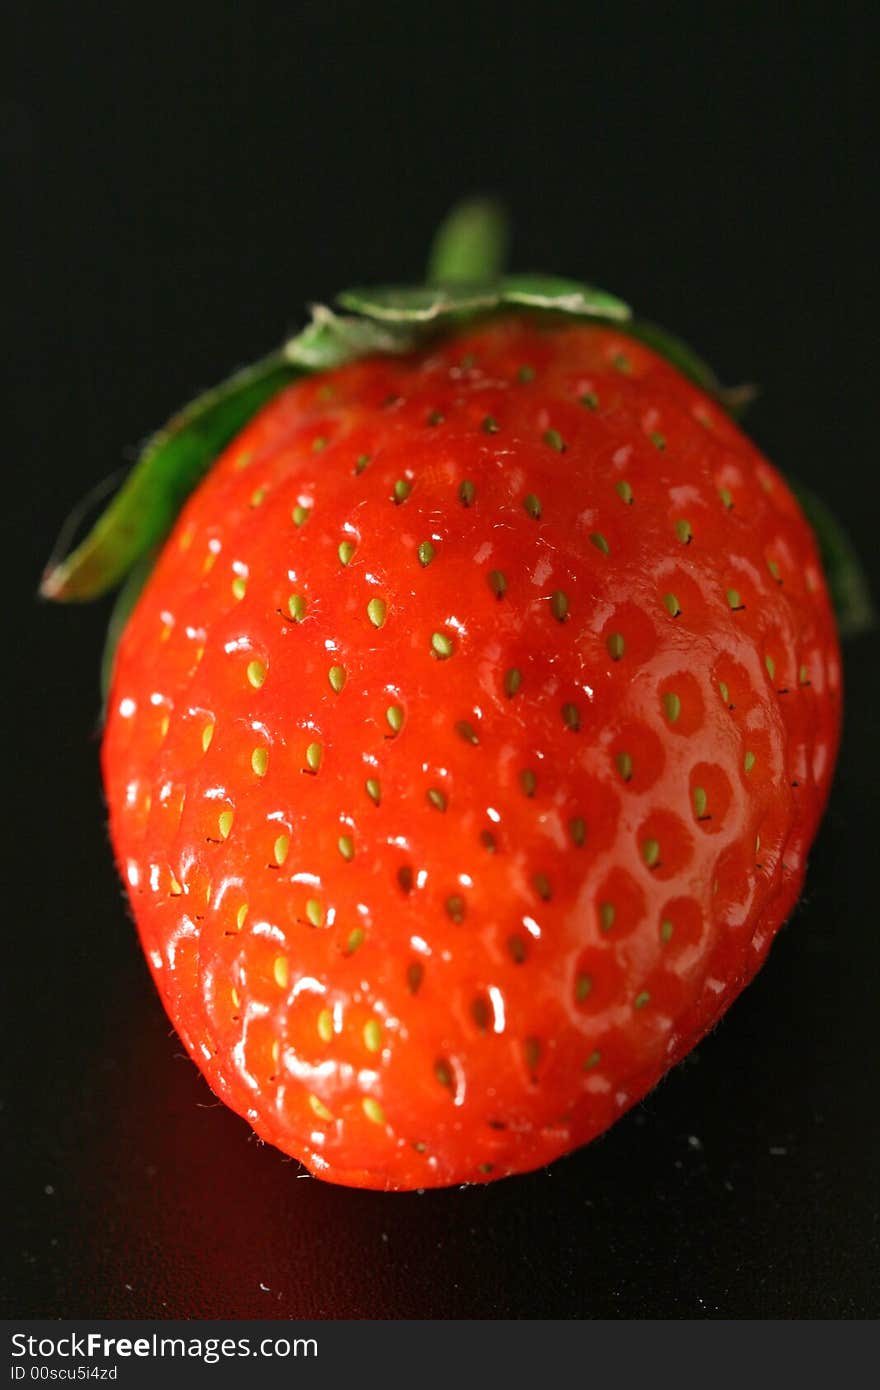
<point>466,742</point>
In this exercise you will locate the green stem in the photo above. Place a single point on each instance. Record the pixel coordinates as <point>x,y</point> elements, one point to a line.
<point>470,246</point>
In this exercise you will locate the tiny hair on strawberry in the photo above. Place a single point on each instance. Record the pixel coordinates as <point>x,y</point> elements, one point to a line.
<point>471,701</point>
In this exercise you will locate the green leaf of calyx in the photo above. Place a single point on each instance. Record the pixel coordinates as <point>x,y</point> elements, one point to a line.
<point>331,340</point>
<point>418,304</point>
<point>734,399</point>
<point>170,465</point>
<point>844,575</point>
<point>565,296</point>
<point>425,304</point>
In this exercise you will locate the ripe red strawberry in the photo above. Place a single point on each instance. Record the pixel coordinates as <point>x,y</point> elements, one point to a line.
<point>465,746</point>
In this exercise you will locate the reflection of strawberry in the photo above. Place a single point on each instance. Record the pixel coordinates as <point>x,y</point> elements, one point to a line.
<point>465,746</point>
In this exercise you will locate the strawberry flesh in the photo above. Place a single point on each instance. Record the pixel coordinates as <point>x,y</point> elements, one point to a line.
<point>465,748</point>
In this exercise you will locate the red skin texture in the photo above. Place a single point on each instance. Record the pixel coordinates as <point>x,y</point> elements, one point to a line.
<point>517,1021</point>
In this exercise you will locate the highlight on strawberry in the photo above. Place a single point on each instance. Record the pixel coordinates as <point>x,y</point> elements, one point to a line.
<point>472,699</point>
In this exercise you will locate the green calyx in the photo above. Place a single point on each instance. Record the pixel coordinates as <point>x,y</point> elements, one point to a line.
<point>844,575</point>
<point>734,399</point>
<point>464,281</point>
<point>171,463</point>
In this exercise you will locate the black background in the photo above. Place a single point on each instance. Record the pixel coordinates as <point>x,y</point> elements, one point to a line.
<point>180,185</point>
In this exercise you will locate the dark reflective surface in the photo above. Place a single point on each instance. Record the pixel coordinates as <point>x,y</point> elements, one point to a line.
<point>177,199</point>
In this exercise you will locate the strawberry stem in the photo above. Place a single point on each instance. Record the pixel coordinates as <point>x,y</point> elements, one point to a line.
<point>470,245</point>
